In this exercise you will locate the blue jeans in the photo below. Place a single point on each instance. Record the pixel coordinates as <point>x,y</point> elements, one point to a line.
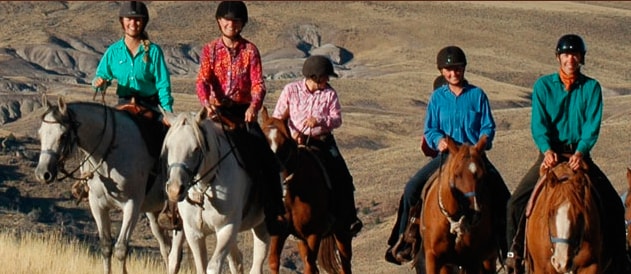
<point>413,188</point>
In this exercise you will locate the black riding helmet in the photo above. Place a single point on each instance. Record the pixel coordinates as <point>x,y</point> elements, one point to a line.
<point>317,66</point>
<point>232,10</point>
<point>450,56</point>
<point>571,43</point>
<point>133,9</point>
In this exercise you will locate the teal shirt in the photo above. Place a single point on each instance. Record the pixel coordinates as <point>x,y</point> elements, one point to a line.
<point>134,76</point>
<point>566,117</point>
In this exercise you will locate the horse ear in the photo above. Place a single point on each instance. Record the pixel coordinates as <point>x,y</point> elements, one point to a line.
<point>169,117</point>
<point>264,114</point>
<point>543,170</point>
<point>629,177</point>
<point>201,115</point>
<point>481,143</point>
<point>45,102</point>
<point>552,178</point>
<point>62,105</point>
<point>451,145</point>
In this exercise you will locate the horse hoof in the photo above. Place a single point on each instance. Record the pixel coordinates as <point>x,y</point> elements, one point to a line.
<point>390,258</point>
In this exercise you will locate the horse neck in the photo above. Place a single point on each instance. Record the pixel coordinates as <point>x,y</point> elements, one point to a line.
<point>217,145</point>
<point>97,126</point>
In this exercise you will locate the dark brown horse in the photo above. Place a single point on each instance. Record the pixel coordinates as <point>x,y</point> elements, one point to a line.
<point>627,209</point>
<point>456,223</point>
<point>308,200</point>
<point>563,227</point>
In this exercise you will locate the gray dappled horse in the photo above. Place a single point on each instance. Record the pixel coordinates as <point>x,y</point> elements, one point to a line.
<point>115,155</point>
<point>214,193</point>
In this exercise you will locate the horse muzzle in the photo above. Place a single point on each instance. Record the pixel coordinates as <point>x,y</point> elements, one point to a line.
<point>176,192</point>
<point>46,170</point>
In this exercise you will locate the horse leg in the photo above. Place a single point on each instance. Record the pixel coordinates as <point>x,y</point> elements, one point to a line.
<point>103,224</point>
<point>276,248</point>
<point>131,213</point>
<point>197,243</point>
<point>431,266</point>
<point>158,233</point>
<point>307,257</point>
<point>235,260</point>
<point>344,245</point>
<point>259,248</point>
<point>175,255</point>
<point>226,238</point>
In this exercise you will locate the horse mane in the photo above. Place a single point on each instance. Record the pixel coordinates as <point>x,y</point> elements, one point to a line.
<point>184,119</point>
<point>575,188</point>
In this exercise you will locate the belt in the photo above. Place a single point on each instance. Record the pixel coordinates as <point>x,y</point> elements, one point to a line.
<point>565,148</point>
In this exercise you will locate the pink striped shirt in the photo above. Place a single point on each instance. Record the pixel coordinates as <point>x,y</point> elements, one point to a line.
<point>302,104</point>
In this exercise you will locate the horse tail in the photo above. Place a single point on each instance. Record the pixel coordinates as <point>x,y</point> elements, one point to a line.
<point>327,256</point>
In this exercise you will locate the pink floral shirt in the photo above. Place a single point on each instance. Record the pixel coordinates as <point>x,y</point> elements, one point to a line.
<point>237,76</point>
<point>301,104</point>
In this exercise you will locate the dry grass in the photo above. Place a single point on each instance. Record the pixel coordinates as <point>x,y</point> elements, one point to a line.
<point>51,253</point>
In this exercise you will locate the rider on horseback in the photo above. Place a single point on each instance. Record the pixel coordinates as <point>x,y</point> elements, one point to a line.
<point>312,108</point>
<point>144,84</point>
<point>230,85</point>
<point>566,115</point>
<point>462,112</point>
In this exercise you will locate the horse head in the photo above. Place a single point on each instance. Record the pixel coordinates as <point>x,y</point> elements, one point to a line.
<point>184,149</point>
<point>570,216</point>
<point>466,170</point>
<point>57,135</point>
<point>279,138</point>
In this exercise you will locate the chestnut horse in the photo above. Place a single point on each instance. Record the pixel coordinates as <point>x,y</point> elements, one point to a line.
<point>308,200</point>
<point>563,227</point>
<point>456,223</point>
<point>626,199</point>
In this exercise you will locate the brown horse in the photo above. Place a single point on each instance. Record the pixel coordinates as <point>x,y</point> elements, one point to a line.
<point>627,209</point>
<point>308,200</point>
<point>456,223</point>
<point>563,227</point>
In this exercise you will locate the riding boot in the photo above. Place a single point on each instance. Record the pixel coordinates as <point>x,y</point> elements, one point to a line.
<point>402,250</point>
<point>274,207</point>
<point>345,211</point>
<point>515,256</point>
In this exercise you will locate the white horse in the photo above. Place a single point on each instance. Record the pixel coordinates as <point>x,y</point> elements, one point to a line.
<point>119,163</point>
<point>214,193</point>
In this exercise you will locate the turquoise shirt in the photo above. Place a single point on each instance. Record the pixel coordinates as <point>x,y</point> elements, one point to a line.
<point>134,76</point>
<point>464,118</point>
<point>566,117</point>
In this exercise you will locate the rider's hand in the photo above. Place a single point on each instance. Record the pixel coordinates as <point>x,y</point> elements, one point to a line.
<point>549,159</point>
<point>442,145</point>
<point>98,83</point>
<point>250,115</point>
<point>576,160</point>
<point>311,122</point>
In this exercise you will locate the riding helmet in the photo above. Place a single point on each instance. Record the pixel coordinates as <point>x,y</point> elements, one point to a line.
<point>232,10</point>
<point>133,9</point>
<point>450,56</point>
<point>317,66</point>
<point>571,43</point>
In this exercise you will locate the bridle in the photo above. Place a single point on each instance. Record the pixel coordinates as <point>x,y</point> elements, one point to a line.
<point>572,242</point>
<point>70,138</point>
<point>193,179</point>
<point>456,220</point>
